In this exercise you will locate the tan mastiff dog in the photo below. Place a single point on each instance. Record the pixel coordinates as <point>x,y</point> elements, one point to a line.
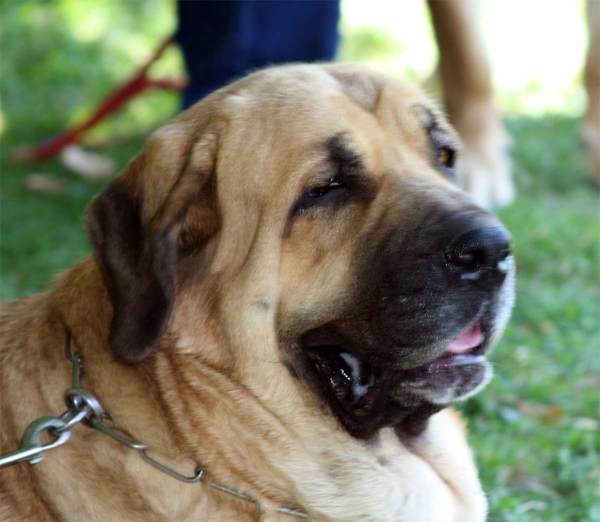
<point>286,289</point>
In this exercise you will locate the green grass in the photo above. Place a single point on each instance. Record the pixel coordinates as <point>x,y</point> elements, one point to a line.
<point>533,429</point>
<point>41,235</point>
<point>536,445</point>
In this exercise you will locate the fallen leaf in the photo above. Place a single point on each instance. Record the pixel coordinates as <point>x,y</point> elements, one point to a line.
<point>544,413</point>
<point>547,328</point>
<point>537,487</point>
<point>532,505</point>
<point>44,184</point>
<point>87,164</point>
<point>585,423</point>
<point>592,380</point>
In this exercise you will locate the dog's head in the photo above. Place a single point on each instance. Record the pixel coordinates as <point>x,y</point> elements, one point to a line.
<point>307,217</point>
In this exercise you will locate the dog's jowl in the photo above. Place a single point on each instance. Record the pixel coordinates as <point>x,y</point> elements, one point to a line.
<point>287,291</point>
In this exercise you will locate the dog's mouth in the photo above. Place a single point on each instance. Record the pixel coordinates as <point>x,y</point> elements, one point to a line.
<point>356,385</point>
<point>364,391</point>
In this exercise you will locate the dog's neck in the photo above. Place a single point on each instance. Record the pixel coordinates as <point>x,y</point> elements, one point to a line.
<point>184,406</point>
<point>190,408</point>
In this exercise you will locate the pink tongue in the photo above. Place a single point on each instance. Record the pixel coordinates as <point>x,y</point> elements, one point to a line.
<point>467,340</point>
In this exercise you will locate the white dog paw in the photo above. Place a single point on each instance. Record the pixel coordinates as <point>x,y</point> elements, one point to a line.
<point>484,167</point>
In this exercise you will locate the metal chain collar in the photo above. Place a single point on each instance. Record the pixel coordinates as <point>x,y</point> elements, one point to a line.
<point>85,408</point>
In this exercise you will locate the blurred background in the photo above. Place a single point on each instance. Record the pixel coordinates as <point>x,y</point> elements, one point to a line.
<point>535,429</point>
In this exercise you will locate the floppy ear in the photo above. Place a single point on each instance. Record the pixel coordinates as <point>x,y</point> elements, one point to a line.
<point>137,226</point>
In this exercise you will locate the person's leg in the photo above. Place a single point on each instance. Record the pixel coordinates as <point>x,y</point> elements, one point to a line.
<point>207,30</point>
<point>484,166</point>
<point>590,128</point>
<point>223,40</point>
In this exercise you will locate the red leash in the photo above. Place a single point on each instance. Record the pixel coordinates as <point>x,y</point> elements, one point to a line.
<point>139,83</point>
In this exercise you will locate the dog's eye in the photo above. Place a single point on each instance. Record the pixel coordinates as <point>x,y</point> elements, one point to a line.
<point>323,188</point>
<point>331,194</point>
<point>446,156</point>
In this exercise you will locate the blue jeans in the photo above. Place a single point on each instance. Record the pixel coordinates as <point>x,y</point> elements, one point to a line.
<point>223,40</point>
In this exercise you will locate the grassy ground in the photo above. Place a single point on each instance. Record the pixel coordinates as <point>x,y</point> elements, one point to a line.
<point>534,429</point>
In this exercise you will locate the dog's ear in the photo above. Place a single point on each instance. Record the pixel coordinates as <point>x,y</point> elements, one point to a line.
<point>138,226</point>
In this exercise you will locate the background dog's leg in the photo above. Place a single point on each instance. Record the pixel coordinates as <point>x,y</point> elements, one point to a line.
<point>590,129</point>
<point>484,167</point>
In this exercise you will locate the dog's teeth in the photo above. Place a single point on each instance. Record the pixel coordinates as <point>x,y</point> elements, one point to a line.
<point>359,390</point>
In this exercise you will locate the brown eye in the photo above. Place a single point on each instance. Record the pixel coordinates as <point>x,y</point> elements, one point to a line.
<point>446,156</point>
<point>323,188</point>
<point>325,194</point>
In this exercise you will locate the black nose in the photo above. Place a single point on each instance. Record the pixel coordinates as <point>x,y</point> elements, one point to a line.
<point>480,253</point>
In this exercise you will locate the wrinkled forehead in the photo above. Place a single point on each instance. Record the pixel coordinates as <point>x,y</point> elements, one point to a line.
<point>284,119</point>
<point>319,97</point>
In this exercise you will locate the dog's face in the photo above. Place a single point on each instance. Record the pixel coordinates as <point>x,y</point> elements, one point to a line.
<point>325,193</point>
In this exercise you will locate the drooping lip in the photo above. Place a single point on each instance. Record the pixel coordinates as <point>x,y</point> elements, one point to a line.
<point>356,386</point>
<point>360,389</point>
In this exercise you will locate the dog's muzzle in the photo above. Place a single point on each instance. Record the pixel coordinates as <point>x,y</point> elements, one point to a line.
<point>433,305</point>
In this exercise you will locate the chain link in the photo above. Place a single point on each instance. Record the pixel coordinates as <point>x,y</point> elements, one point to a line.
<point>85,408</point>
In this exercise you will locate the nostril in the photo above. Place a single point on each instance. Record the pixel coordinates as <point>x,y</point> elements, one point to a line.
<point>481,248</point>
<point>466,259</point>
